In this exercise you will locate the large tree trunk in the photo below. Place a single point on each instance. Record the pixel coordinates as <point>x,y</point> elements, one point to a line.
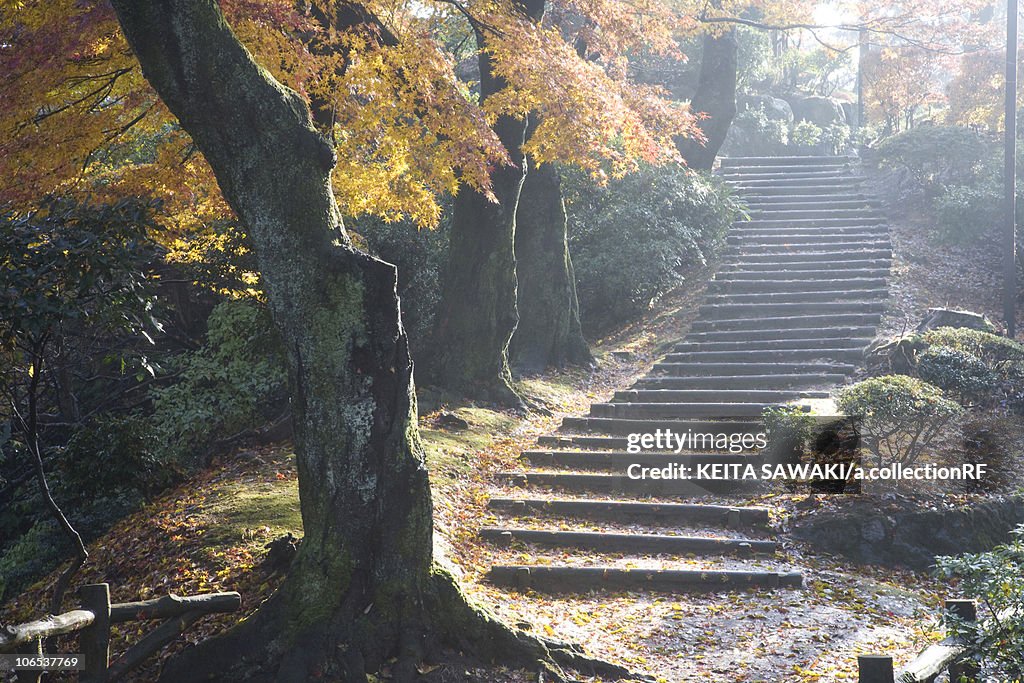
<point>549,332</point>
<point>715,97</point>
<point>477,314</point>
<point>363,588</point>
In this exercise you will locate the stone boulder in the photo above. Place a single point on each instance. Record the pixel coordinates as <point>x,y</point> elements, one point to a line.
<point>945,317</point>
<point>821,111</point>
<point>869,534</point>
<point>775,109</point>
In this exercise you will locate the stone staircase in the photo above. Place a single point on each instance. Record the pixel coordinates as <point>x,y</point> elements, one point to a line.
<point>786,318</point>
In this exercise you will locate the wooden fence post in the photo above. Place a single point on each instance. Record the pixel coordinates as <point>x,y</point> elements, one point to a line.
<point>875,669</point>
<point>94,640</point>
<point>967,668</point>
<point>31,675</point>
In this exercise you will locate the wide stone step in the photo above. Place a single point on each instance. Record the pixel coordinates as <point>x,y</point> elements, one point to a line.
<point>787,161</point>
<point>724,396</point>
<point>790,381</point>
<point>617,426</point>
<point>620,460</point>
<point>745,185</point>
<point>815,212</point>
<point>774,344</point>
<point>729,311</point>
<point>792,192</point>
<point>808,271</point>
<point>679,410</point>
<point>796,297</point>
<point>776,355</point>
<point>616,484</point>
<point>846,200</point>
<point>813,173</point>
<point>555,579</point>
<point>819,285</point>
<point>628,543</point>
<point>862,331</point>
<point>804,245</point>
<point>859,236</point>
<point>729,172</point>
<point>692,370</point>
<point>787,230</point>
<point>834,256</point>
<point>858,319</point>
<point>617,510</point>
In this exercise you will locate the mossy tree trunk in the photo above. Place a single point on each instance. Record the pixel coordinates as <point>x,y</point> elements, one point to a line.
<point>715,96</point>
<point>364,588</point>
<point>549,332</point>
<point>477,314</point>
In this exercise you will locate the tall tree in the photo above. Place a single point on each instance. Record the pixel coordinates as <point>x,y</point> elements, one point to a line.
<point>715,99</point>
<point>549,331</point>
<point>364,588</point>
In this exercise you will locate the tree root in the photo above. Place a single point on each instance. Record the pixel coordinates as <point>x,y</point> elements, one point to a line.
<point>479,632</point>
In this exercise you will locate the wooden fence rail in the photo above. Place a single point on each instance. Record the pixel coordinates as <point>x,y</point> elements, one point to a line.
<point>950,654</point>
<point>93,621</point>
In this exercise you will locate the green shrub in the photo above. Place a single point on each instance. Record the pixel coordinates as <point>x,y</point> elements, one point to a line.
<point>639,236</point>
<point>996,580</point>
<point>992,349</point>
<point>236,381</point>
<point>967,213</point>
<point>899,416</point>
<point>957,372</point>
<point>32,555</point>
<point>938,156</point>
<point>806,135</point>
<point>836,137</point>
<point>754,133</point>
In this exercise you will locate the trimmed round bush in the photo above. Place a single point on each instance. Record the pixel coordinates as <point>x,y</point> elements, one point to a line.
<point>899,415</point>
<point>957,372</point>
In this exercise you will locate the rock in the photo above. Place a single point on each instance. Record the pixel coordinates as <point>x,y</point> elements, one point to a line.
<point>280,553</point>
<point>774,108</point>
<point>850,112</point>
<point>449,420</point>
<point>821,111</point>
<point>911,537</point>
<point>945,317</point>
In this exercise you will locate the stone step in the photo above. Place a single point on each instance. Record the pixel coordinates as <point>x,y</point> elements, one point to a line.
<point>733,311</point>
<point>792,192</point>
<point>796,297</point>
<point>558,579</point>
<point>808,271</point>
<point>800,245</point>
<point>620,460</point>
<point>788,161</point>
<point>603,541</point>
<point>863,331</point>
<point>851,199</point>
<point>768,356</point>
<point>594,441</point>
<point>750,369</point>
<point>816,212</point>
<point>789,381</point>
<point>832,256</point>
<point>618,484</point>
<point>858,319</point>
<point>740,171</point>
<point>616,510</point>
<point>813,173</point>
<point>820,285</point>
<point>775,344</point>
<point>724,396</point>
<point>844,182</point>
<point>797,236</point>
<point>742,230</point>
<point>618,426</point>
<point>678,410</point>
